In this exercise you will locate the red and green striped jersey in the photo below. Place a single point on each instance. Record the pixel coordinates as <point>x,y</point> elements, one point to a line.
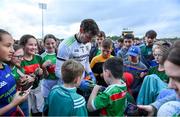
<point>51,69</point>
<point>31,66</point>
<point>112,101</point>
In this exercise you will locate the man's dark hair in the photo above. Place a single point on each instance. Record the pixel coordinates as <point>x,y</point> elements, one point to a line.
<point>151,34</point>
<point>24,39</point>
<point>90,26</point>
<point>115,65</point>
<point>107,44</point>
<point>2,32</point>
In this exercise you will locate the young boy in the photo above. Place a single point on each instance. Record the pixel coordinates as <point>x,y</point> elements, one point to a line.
<point>134,66</point>
<point>112,100</point>
<point>63,100</point>
<point>96,48</point>
<point>128,42</point>
<point>146,49</point>
<point>97,61</point>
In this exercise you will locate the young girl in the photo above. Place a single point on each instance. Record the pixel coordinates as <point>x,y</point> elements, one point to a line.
<point>17,70</point>
<point>23,81</point>
<point>32,66</point>
<point>49,61</point>
<point>9,98</point>
<point>156,79</point>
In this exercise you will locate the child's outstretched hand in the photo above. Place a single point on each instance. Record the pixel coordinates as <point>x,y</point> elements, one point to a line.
<point>150,109</point>
<point>20,97</point>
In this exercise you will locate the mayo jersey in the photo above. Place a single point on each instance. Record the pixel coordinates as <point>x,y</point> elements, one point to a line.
<point>70,48</point>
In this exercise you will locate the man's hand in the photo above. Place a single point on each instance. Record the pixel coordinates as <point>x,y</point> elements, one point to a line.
<point>86,85</point>
<point>93,78</point>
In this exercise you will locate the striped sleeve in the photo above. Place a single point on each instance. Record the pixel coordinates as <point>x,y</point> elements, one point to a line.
<point>78,103</point>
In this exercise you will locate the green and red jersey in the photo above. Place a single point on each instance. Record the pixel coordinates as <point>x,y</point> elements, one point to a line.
<point>51,69</point>
<point>16,74</point>
<point>112,101</point>
<point>30,67</point>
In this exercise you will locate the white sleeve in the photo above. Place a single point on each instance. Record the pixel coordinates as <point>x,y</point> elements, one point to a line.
<point>62,55</point>
<point>87,65</point>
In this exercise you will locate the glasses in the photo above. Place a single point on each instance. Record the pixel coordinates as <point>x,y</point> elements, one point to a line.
<point>19,56</point>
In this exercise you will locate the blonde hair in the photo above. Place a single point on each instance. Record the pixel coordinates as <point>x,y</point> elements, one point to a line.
<point>164,49</point>
<point>164,43</point>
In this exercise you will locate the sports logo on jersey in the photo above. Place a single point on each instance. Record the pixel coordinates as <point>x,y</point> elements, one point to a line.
<point>87,48</point>
<point>2,84</point>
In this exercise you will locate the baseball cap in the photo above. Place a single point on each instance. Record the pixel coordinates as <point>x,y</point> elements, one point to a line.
<point>134,51</point>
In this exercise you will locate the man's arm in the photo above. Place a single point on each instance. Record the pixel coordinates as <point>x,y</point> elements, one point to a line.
<point>63,54</point>
<point>88,69</point>
<point>92,97</point>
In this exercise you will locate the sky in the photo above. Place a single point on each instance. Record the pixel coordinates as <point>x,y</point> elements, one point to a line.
<point>62,17</point>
